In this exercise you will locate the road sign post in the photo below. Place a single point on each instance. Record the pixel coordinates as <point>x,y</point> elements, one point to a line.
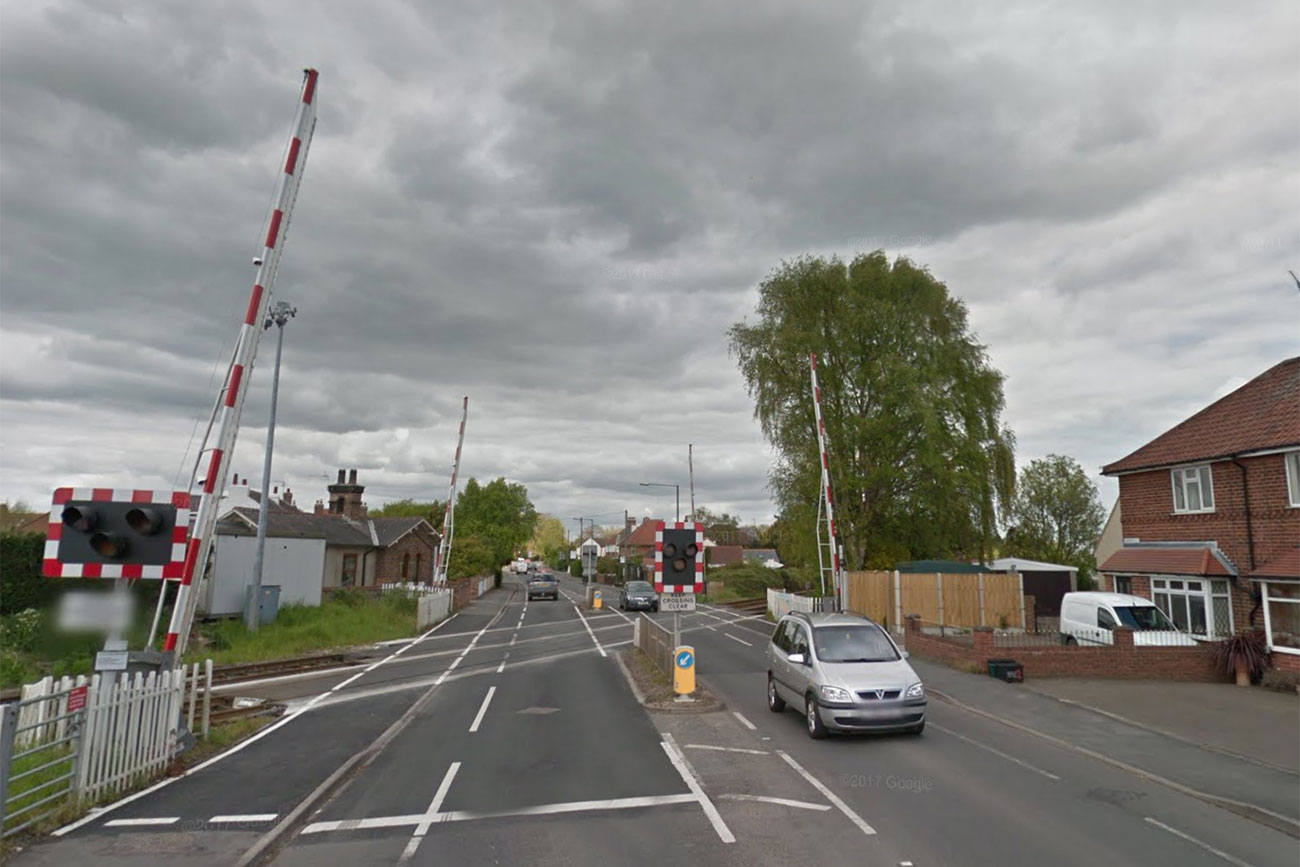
<point>684,672</point>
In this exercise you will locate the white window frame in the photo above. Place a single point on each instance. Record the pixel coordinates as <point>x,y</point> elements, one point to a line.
<point>1181,478</point>
<point>1268,620</point>
<point>1292,462</point>
<point>1160,584</point>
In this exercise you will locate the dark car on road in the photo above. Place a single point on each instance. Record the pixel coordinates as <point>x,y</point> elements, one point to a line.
<point>636,595</point>
<point>543,585</point>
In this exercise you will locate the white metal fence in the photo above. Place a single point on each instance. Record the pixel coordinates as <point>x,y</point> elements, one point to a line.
<point>485,584</point>
<point>655,642</point>
<point>110,736</point>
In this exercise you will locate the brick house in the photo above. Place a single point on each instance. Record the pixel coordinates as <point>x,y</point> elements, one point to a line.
<point>1210,516</point>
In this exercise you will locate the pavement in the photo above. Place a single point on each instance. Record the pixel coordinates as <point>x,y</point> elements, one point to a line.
<point>1208,714</point>
<point>511,736</point>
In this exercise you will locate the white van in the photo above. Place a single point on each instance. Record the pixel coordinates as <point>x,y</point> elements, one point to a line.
<point>1088,618</point>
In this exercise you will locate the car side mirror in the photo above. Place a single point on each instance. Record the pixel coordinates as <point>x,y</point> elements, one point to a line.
<point>797,658</point>
<point>905,654</point>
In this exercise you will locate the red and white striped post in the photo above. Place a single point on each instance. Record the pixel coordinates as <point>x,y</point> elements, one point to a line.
<point>449,514</point>
<point>236,386</point>
<point>828,496</point>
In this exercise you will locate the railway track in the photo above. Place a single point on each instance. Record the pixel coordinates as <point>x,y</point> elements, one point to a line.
<point>238,672</point>
<point>756,605</point>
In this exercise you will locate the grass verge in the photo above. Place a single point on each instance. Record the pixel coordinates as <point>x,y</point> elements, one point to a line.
<point>344,620</point>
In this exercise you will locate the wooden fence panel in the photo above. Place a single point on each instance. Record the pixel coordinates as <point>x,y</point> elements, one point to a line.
<point>961,599</point>
<point>871,593</point>
<point>920,592</point>
<point>1002,599</point>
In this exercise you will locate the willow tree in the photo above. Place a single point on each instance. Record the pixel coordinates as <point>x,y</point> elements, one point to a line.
<point>921,462</point>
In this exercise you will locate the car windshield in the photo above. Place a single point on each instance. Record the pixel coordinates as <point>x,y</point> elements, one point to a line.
<point>1143,617</point>
<point>853,644</point>
<point>639,587</point>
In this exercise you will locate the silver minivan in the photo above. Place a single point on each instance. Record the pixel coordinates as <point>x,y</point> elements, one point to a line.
<point>845,673</point>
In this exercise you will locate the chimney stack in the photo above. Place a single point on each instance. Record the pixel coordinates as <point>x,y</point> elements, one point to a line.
<point>341,477</point>
<point>352,477</point>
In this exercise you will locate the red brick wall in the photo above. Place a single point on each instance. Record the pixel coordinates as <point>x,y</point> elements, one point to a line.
<point>1285,661</point>
<point>388,567</point>
<point>1120,661</point>
<point>1147,513</point>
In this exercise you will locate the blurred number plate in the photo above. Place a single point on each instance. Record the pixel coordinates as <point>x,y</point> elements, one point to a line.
<point>677,602</point>
<point>87,610</point>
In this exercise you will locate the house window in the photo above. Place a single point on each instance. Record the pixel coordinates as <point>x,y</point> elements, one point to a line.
<point>349,570</point>
<point>1293,478</point>
<point>1199,608</point>
<point>1193,489</point>
<point>406,565</point>
<point>1282,616</point>
<point>1124,584</point>
<point>417,567</point>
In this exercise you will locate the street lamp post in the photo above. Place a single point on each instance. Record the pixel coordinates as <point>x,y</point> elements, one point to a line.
<point>676,488</point>
<point>277,316</point>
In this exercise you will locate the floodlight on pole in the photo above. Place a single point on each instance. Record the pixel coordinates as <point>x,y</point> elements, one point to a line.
<point>676,488</point>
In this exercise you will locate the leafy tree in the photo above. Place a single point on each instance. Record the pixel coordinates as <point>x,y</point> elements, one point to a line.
<point>434,512</point>
<point>1056,515</point>
<point>471,556</point>
<point>13,514</point>
<point>548,538</point>
<point>722,528</point>
<point>921,462</point>
<point>499,512</point>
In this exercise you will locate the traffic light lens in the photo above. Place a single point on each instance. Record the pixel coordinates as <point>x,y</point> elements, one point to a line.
<point>670,550</point>
<point>108,545</point>
<point>692,549</point>
<point>80,518</point>
<point>144,521</point>
<point>679,565</point>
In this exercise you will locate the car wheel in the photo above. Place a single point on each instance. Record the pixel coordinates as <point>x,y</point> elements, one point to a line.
<point>656,607</point>
<point>816,728</point>
<point>775,703</point>
<point>1069,641</point>
<point>917,729</point>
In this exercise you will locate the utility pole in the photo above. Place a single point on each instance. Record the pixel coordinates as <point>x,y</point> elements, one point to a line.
<point>278,316</point>
<point>827,501</point>
<point>449,513</point>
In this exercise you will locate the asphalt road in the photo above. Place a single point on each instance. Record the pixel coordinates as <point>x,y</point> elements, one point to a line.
<point>523,743</point>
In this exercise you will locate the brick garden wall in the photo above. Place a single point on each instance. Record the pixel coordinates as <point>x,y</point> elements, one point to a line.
<point>1121,661</point>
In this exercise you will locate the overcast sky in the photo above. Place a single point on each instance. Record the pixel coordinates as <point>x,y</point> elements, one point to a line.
<point>559,208</point>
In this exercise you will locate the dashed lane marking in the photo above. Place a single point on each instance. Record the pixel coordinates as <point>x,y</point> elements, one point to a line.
<point>727,749</point>
<point>487,700</point>
<point>1024,764</point>
<point>1190,839</point>
<point>250,817</point>
<point>746,723</point>
<point>137,823</point>
<point>741,640</point>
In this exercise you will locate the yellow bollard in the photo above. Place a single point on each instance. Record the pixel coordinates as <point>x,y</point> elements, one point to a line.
<point>595,600</point>
<point>684,671</point>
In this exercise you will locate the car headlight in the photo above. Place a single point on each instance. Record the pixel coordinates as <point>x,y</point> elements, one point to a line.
<point>916,690</point>
<point>835,693</point>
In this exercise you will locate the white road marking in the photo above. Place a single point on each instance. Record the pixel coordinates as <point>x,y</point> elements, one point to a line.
<point>766,799</point>
<point>715,818</point>
<point>1190,839</point>
<point>996,752</point>
<point>252,739</point>
<point>470,815</point>
<point>502,666</point>
<point>487,700</point>
<point>829,795</point>
<point>589,632</point>
<point>746,723</point>
<point>727,749</point>
<point>430,814</point>
<point>250,817</point>
<point>741,640</point>
<point>137,823</point>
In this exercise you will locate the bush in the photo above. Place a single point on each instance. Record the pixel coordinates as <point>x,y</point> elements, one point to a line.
<point>1245,649</point>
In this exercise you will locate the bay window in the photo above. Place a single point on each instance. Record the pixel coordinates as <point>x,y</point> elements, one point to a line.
<point>1198,607</point>
<point>1281,602</point>
<point>1193,489</point>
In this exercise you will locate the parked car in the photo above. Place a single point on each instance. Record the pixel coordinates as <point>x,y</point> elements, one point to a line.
<point>845,673</point>
<point>638,595</point>
<point>1087,617</point>
<point>543,587</point>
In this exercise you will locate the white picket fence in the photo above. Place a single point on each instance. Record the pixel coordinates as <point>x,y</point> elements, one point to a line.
<point>434,607</point>
<point>410,587</point>
<point>485,584</point>
<point>130,729</point>
<point>780,603</point>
